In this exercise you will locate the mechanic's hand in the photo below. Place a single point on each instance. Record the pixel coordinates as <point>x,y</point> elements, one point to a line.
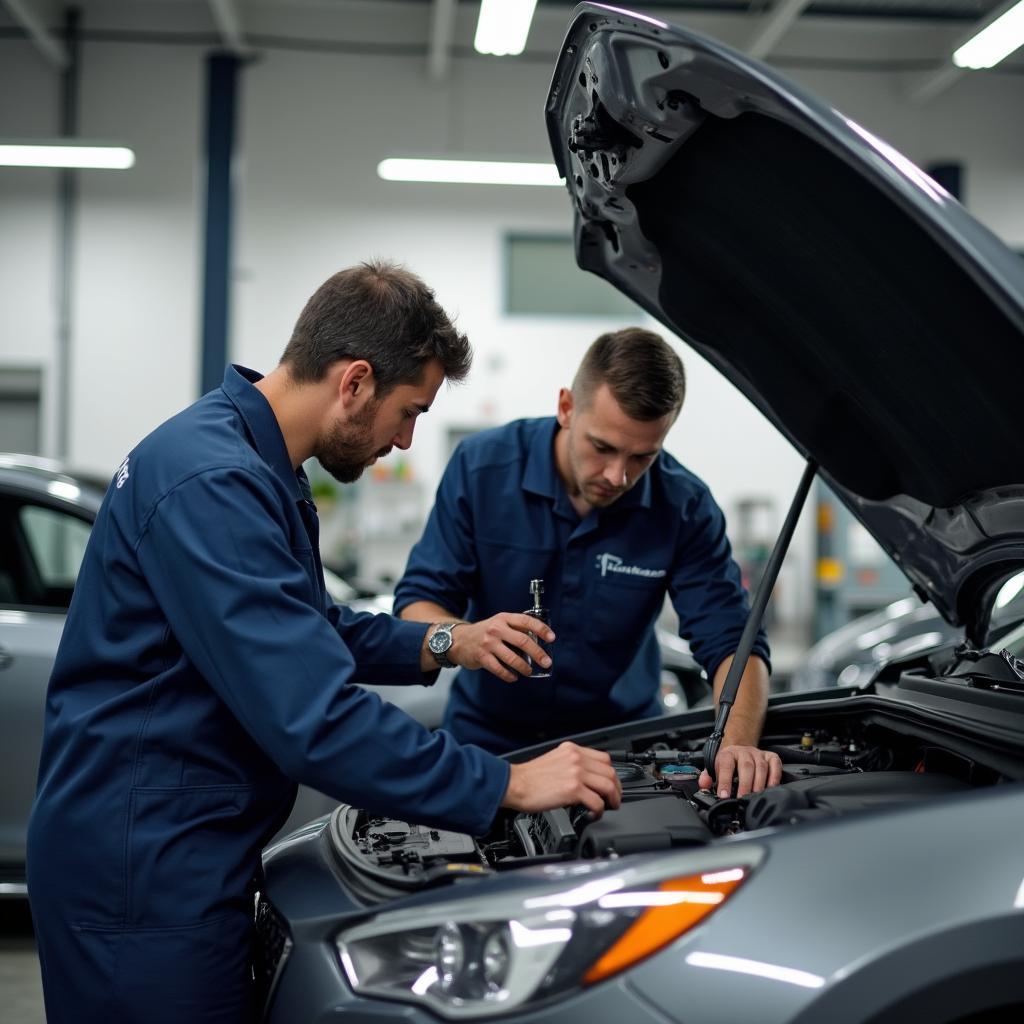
<point>496,644</point>
<point>566,775</point>
<point>757,770</point>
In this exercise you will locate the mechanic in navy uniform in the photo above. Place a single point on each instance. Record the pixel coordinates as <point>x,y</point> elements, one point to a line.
<point>203,671</point>
<point>589,502</point>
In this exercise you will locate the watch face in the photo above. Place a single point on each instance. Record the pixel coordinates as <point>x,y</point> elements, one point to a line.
<point>440,641</point>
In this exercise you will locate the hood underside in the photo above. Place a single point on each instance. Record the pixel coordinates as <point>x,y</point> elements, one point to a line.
<point>870,318</point>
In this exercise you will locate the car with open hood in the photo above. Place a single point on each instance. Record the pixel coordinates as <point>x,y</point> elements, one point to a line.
<point>864,312</point>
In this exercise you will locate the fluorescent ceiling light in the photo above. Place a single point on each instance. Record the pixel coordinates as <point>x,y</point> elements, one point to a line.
<point>65,154</point>
<point>469,172</point>
<point>503,26</point>
<point>994,42</point>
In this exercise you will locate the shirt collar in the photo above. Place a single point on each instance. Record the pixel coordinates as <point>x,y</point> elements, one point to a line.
<point>540,475</point>
<point>263,427</point>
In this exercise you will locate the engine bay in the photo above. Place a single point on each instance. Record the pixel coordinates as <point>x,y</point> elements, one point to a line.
<point>833,765</point>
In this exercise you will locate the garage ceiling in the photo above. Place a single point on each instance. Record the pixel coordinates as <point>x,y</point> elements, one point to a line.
<point>915,36</point>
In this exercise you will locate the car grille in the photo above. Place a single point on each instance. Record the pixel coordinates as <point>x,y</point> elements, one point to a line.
<point>270,951</point>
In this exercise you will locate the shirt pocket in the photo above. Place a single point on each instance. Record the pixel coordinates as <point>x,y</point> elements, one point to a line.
<point>506,568</point>
<point>191,850</point>
<point>621,608</point>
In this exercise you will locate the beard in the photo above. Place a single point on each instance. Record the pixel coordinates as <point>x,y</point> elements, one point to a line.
<point>347,448</point>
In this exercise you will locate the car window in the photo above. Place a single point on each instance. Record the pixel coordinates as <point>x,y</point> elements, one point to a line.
<point>57,542</point>
<point>41,549</point>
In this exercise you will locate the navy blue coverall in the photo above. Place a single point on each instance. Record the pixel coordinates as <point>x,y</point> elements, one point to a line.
<point>201,671</point>
<point>502,517</point>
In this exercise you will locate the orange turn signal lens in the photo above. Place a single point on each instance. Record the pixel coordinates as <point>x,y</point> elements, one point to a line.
<point>676,906</point>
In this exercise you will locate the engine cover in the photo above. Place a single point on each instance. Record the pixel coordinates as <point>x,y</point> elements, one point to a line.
<point>644,825</point>
<point>828,796</point>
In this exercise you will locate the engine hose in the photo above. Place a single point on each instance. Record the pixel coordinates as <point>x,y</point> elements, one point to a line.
<point>828,758</point>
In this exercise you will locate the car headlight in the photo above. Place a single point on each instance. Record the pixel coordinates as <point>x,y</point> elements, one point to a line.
<point>465,958</point>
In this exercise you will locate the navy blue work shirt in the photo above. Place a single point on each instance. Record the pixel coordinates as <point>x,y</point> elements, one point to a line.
<point>503,517</point>
<point>202,672</point>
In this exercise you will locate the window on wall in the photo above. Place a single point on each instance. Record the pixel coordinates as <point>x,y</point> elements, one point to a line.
<point>541,277</point>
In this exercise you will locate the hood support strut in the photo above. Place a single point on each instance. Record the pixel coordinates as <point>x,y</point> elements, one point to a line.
<point>757,609</point>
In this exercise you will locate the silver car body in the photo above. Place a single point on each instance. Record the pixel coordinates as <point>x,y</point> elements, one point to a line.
<point>33,493</point>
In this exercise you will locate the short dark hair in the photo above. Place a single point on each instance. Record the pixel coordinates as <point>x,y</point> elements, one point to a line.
<point>643,373</point>
<point>380,312</point>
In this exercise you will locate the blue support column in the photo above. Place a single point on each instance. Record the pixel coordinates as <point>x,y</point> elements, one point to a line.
<point>221,109</point>
<point>67,213</point>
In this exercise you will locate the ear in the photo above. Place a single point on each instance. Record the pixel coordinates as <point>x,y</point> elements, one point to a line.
<point>565,408</point>
<point>355,384</point>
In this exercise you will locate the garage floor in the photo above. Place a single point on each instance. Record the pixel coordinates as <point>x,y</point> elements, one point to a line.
<point>21,992</point>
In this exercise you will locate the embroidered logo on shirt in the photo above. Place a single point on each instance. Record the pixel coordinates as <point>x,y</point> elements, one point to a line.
<point>122,473</point>
<point>609,563</point>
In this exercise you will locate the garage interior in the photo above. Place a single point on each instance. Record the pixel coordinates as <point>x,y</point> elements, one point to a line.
<point>258,131</point>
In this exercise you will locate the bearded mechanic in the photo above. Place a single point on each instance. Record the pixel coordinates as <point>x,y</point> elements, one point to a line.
<point>589,502</point>
<point>203,671</point>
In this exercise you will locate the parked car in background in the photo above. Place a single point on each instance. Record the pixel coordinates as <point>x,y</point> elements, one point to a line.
<point>862,310</point>
<point>45,519</point>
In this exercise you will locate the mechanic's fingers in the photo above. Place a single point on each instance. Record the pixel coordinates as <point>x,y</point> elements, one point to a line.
<point>591,800</point>
<point>496,668</point>
<point>756,770</point>
<point>593,776</point>
<point>530,624</point>
<point>725,768</point>
<point>608,789</point>
<point>529,646</point>
<point>760,772</point>
<point>746,769</point>
<point>511,660</point>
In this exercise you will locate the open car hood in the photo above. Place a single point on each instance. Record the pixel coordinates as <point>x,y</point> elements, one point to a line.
<point>858,305</point>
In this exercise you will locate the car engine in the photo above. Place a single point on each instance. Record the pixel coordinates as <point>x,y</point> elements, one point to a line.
<point>839,768</point>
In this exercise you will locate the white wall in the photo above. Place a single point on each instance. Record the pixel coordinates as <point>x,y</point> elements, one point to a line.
<point>136,311</point>
<point>28,226</point>
<point>313,127</point>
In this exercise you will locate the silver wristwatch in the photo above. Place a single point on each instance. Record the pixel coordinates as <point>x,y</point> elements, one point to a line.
<point>441,641</point>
